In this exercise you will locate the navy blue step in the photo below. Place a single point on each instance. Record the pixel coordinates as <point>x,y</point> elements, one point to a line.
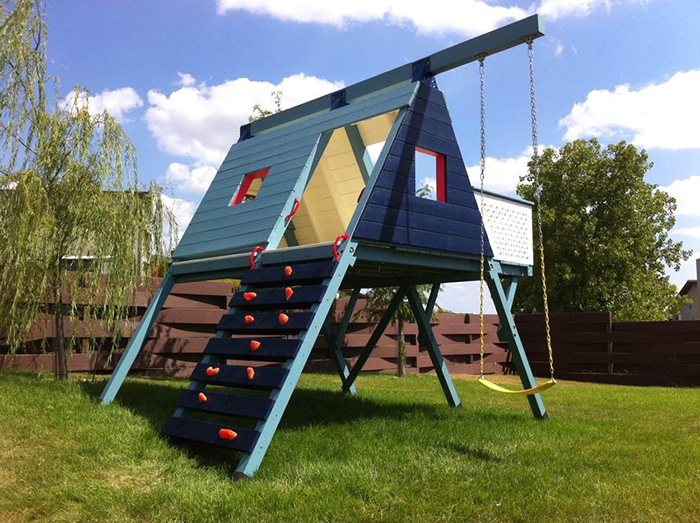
<point>270,349</point>
<point>206,432</point>
<point>265,323</point>
<point>229,404</point>
<point>237,376</point>
<point>269,299</point>
<point>301,273</point>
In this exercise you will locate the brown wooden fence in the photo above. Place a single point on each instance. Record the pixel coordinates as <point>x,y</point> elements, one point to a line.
<point>588,346</point>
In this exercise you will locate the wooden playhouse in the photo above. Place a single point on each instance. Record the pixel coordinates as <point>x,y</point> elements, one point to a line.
<point>322,197</point>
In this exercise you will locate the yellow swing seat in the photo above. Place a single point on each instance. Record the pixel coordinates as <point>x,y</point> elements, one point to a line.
<point>526,392</point>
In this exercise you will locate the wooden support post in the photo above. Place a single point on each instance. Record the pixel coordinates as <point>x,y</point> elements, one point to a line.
<point>364,162</point>
<point>509,331</point>
<point>510,298</point>
<point>335,340</point>
<point>425,331</point>
<point>136,341</point>
<point>376,334</point>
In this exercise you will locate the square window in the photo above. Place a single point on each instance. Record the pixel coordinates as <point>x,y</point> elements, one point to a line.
<point>430,175</point>
<point>250,187</point>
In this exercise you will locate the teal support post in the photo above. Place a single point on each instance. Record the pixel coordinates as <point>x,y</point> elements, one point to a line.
<point>364,162</point>
<point>510,292</point>
<point>509,332</point>
<point>376,334</point>
<point>428,338</point>
<point>136,341</point>
<point>434,291</point>
<point>335,340</point>
<point>510,298</point>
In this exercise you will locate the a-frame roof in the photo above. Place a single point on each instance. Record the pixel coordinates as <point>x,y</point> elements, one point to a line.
<point>290,145</point>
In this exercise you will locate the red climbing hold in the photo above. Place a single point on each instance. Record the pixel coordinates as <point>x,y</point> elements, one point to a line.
<point>250,296</point>
<point>288,271</point>
<point>212,371</point>
<point>254,345</point>
<point>227,434</point>
<point>251,372</point>
<point>249,319</point>
<point>202,397</point>
<point>288,292</point>
<point>283,319</point>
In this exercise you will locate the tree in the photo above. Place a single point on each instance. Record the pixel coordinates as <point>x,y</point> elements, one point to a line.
<point>69,191</point>
<point>260,112</point>
<point>606,234</point>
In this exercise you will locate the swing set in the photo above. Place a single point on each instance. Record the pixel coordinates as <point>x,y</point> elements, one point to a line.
<point>300,209</point>
<point>538,205</point>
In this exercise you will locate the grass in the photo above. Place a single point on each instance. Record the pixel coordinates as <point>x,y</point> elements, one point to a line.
<point>394,452</point>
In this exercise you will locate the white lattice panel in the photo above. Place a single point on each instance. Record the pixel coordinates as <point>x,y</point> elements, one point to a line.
<point>509,227</point>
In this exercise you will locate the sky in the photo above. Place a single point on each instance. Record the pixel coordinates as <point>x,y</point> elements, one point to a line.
<point>181,77</point>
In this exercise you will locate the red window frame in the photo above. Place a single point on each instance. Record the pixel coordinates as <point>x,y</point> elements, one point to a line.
<point>245,185</point>
<point>440,174</point>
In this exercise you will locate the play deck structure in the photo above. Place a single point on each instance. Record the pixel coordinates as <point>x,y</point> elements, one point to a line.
<point>301,208</point>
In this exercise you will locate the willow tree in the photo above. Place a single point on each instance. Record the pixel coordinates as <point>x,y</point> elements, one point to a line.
<point>69,195</point>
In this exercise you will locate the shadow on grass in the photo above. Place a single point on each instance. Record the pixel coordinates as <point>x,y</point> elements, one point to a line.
<point>308,407</point>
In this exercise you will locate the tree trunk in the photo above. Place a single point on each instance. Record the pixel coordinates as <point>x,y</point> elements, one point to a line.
<point>401,356</point>
<point>62,363</point>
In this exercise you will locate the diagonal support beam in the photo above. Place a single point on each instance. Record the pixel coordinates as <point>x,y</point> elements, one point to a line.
<point>430,305</point>
<point>510,298</point>
<point>425,331</point>
<point>509,332</point>
<point>335,340</point>
<point>136,341</point>
<point>376,334</point>
<point>364,162</point>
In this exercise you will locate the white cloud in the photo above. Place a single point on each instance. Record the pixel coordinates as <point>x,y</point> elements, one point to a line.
<point>693,232</point>
<point>553,9</point>
<point>664,115</point>
<point>502,174</point>
<point>687,194</point>
<point>466,17</point>
<point>558,49</point>
<point>202,122</point>
<point>183,210</point>
<point>186,79</point>
<point>190,180</point>
<point>116,102</point>
<point>463,17</point>
<point>464,297</point>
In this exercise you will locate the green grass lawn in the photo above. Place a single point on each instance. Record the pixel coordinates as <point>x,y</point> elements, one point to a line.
<point>394,452</point>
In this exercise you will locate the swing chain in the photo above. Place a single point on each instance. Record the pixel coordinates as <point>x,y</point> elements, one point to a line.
<point>482,175</point>
<point>538,194</point>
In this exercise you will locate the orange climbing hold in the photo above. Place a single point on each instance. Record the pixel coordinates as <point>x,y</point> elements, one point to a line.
<point>288,271</point>
<point>212,371</point>
<point>202,397</point>
<point>227,434</point>
<point>249,319</point>
<point>251,372</point>
<point>283,319</point>
<point>250,296</point>
<point>254,345</point>
<point>288,292</point>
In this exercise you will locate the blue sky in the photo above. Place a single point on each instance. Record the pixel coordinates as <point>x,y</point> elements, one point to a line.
<point>183,75</point>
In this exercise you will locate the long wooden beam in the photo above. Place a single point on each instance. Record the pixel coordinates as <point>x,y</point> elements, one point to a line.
<point>460,54</point>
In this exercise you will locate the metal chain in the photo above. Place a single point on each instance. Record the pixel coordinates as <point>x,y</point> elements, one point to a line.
<point>481,214</point>
<point>538,202</point>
